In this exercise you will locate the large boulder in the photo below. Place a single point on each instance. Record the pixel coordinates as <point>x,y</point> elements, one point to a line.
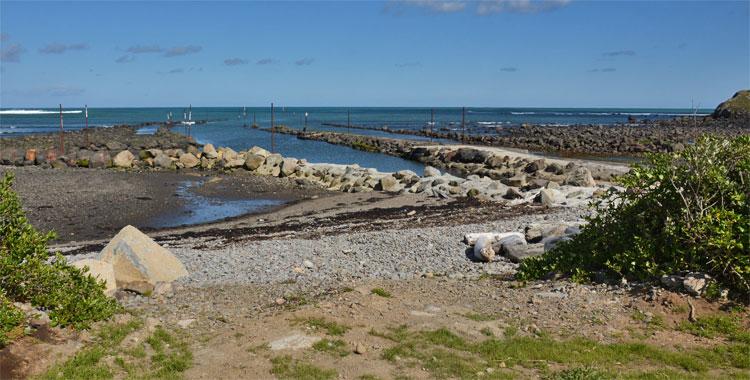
<point>115,146</point>
<point>189,160</point>
<point>139,262</point>
<point>429,171</point>
<point>164,161</point>
<point>100,160</point>
<point>254,161</point>
<point>259,151</point>
<point>548,197</point>
<point>580,176</point>
<point>100,270</point>
<point>228,154</point>
<point>737,106</point>
<point>210,152</point>
<point>123,159</point>
<point>288,166</point>
<point>389,184</point>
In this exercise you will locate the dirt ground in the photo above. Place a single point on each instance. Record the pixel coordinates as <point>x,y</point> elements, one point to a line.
<point>238,332</point>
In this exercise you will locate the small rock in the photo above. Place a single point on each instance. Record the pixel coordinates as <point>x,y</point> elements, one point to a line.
<point>185,323</point>
<point>294,342</point>
<point>360,349</point>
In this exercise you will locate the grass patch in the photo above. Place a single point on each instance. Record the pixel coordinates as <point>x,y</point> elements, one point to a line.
<point>367,376</point>
<point>479,317</point>
<point>330,327</point>
<point>336,347</point>
<point>284,367</point>
<point>381,292</point>
<point>161,356</point>
<point>449,355</point>
<point>726,326</point>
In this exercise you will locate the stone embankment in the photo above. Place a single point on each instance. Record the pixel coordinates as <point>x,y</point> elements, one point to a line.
<point>94,148</point>
<point>513,167</point>
<point>573,184</point>
<point>631,139</point>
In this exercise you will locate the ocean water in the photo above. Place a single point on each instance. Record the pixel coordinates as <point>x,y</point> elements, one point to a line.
<point>225,125</point>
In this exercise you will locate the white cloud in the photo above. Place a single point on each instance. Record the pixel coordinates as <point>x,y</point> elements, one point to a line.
<point>56,48</point>
<point>486,7</point>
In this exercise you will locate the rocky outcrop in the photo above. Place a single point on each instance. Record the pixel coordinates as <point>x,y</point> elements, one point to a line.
<point>139,263</point>
<point>738,107</point>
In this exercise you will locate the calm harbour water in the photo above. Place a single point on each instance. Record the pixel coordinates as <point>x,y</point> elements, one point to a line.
<point>224,125</point>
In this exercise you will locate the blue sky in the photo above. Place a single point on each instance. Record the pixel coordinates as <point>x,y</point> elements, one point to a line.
<point>503,53</point>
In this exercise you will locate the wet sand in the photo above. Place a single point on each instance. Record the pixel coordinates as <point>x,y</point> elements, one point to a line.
<point>92,204</point>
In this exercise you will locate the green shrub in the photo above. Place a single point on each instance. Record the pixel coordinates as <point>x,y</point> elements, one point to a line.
<point>686,211</point>
<point>70,295</point>
<point>10,318</point>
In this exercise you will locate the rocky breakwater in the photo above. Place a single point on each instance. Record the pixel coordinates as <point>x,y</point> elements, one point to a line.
<point>515,168</point>
<point>575,185</point>
<point>512,167</point>
<point>95,148</point>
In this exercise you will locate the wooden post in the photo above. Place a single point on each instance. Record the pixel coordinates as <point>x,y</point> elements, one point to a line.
<point>432,121</point>
<point>273,127</point>
<point>62,139</point>
<point>463,123</point>
<point>86,127</point>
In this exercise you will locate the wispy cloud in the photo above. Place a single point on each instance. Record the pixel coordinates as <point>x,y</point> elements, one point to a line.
<point>125,58</point>
<point>603,70</point>
<point>480,7</point>
<point>12,53</point>
<point>509,69</point>
<point>409,64</point>
<point>57,48</point>
<point>619,53</point>
<point>304,61</point>
<point>488,7</point>
<point>180,70</point>
<point>182,50</point>
<point>143,49</point>
<point>4,37</point>
<point>235,61</point>
<point>267,61</point>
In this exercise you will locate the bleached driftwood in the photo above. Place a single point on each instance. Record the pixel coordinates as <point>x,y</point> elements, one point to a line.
<point>483,250</point>
<point>472,238</point>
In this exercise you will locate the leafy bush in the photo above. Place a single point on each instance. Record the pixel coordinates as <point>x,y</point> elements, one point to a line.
<point>10,318</point>
<point>686,211</point>
<point>70,295</point>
